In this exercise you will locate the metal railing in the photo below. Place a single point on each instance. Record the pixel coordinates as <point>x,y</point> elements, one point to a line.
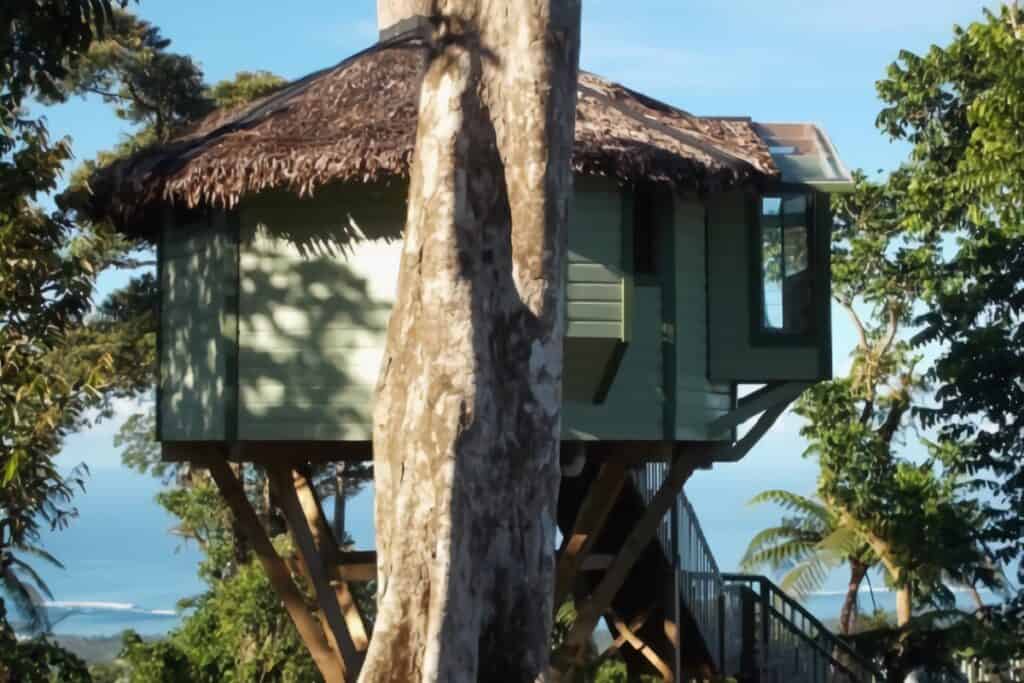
<point>700,582</point>
<point>791,644</point>
<point>978,671</point>
<point>747,616</point>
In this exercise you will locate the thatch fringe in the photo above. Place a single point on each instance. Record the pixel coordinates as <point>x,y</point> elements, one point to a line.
<point>357,122</point>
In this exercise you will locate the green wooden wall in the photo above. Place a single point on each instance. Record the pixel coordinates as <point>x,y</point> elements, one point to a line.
<point>318,281</point>
<point>633,409</point>
<point>196,275</point>
<point>698,400</point>
<point>275,315</point>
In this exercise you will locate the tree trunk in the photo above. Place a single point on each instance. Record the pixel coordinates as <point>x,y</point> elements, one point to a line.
<point>339,502</point>
<point>467,413</point>
<point>848,614</point>
<point>904,606</point>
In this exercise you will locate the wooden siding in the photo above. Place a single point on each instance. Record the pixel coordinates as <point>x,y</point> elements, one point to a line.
<point>698,400</point>
<point>595,272</point>
<point>733,356</point>
<point>633,408</point>
<point>318,281</point>
<point>196,284</point>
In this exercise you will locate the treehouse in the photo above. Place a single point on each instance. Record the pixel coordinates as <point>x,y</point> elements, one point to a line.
<point>698,261</point>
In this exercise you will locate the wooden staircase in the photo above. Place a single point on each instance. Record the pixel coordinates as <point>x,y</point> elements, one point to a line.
<point>738,626</point>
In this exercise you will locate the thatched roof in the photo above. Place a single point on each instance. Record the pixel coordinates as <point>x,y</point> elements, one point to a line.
<point>356,121</point>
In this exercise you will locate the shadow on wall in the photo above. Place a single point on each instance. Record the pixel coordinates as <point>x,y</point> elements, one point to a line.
<point>197,276</point>
<point>317,280</point>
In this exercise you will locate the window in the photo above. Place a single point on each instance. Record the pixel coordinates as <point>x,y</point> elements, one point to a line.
<point>786,292</point>
<point>645,232</point>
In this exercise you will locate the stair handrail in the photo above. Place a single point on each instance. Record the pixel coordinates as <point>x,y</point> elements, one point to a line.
<point>701,585</point>
<point>818,634</point>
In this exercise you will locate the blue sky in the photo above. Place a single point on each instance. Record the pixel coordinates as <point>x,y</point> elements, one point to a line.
<point>776,60</point>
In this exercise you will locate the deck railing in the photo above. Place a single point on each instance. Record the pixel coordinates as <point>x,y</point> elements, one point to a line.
<point>791,644</point>
<point>747,621</point>
<point>976,671</point>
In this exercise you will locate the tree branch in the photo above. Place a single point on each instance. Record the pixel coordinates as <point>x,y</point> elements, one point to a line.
<point>107,93</point>
<point>890,334</point>
<point>861,332</point>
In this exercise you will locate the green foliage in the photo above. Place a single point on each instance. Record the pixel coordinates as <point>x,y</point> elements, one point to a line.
<point>915,518</point>
<point>805,547</point>
<point>131,68</point>
<point>960,106</point>
<point>37,660</point>
<point>246,87</point>
<point>47,275</point>
<point>237,632</point>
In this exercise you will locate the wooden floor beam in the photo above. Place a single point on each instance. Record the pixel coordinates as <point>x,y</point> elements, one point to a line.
<point>358,565</point>
<point>590,521</point>
<point>331,667</point>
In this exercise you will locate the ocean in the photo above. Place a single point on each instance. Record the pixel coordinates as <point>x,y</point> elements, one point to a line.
<point>125,568</point>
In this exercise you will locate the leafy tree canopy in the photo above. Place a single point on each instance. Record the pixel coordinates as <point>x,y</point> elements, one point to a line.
<point>960,107</point>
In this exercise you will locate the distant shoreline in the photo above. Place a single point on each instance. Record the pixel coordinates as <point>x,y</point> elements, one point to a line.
<point>95,649</point>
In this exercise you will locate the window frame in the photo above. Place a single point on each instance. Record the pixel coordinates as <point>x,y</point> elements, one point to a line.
<point>759,335</point>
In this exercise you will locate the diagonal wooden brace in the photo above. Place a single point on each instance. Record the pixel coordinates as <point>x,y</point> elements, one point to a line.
<point>315,548</point>
<point>331,667</point>
<point>629,635</point>
<point>590,521</point>
<point>334,560</point>
<point>590,611</point>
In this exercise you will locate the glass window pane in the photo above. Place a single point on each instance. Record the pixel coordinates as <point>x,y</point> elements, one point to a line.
<point>786,273</point>
<point>771,277</point>
<point>795,244</point>
<point>795,205</point>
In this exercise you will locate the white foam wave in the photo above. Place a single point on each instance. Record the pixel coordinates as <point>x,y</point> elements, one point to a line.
<point>90,605</point>
<point>864,590</point>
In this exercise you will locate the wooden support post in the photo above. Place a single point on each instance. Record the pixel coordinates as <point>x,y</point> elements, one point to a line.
<point>590,520</point>
<point>333,558</point>
<point>306,540</point>
<point>331,667</point>
<point>590,611</point>
<point>640,646</point>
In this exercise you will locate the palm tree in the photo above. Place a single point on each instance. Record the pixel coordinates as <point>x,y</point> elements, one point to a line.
<point>806,547</point>
<point>24,586</point>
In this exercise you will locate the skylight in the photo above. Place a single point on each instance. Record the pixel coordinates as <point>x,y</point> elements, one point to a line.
<point>805,155</point>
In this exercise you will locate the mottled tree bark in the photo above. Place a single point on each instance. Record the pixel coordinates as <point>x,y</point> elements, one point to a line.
<point>848,613</point>
<point>467,413</point>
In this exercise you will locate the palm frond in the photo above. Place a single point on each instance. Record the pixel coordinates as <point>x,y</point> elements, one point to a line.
<point>25,599</point>
<point>25,568</point>
<point>779,556</point>
<point>846,541</point>
<point>794,502</point>
<point>763,539</point>
<point>807,576</point>
<point>36,551</point>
